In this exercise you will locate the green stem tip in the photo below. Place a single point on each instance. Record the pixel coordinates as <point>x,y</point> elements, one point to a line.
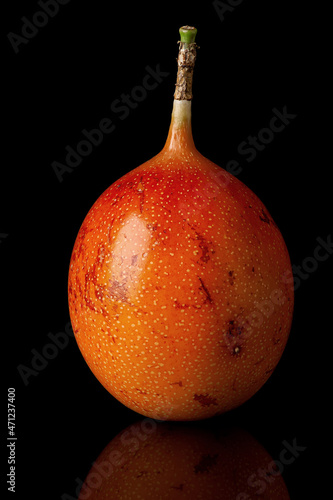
<point>187,34</point>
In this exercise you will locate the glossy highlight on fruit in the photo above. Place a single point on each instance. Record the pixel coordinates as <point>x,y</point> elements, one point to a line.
<point>169,461</point>
<point>176,289</point>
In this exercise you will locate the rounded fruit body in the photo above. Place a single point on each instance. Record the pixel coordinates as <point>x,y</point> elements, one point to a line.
<point>177,293</point>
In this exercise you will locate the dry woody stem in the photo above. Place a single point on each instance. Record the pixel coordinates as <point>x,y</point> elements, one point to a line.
<point>186,61</point>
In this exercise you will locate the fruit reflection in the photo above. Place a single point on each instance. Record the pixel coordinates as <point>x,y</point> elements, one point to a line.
<point>150,460</point>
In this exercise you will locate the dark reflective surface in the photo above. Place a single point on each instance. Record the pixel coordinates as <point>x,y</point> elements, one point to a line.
<point>150,460</point>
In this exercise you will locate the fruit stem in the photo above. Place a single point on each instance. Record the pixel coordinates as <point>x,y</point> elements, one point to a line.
<point>180,132</point>
<point>186,60</point>
<point>188,34</point>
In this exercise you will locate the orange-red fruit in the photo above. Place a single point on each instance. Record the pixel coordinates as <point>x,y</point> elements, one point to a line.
<point>176,288</point>
<point>167,461</point>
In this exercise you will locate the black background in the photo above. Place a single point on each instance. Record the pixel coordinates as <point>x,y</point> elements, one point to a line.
<point>261,56</point>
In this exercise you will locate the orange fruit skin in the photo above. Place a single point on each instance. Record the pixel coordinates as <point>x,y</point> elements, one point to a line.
<point>176,289</point>
<point>167,461</point>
